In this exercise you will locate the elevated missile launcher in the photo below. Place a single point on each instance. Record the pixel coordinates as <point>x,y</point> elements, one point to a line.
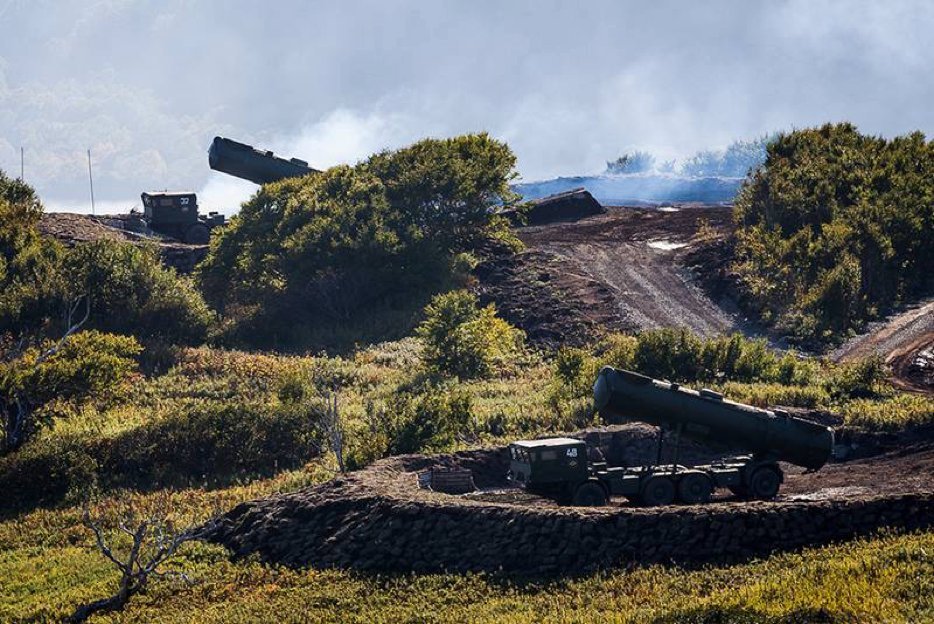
<point>260,166</point>
<point>559,468</point>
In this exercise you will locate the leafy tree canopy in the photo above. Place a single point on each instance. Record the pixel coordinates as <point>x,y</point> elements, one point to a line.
<point>836,229</point>
<point>324,246</point>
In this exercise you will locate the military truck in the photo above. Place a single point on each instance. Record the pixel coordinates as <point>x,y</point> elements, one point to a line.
<point>559,467</point>
<point>176,214</point>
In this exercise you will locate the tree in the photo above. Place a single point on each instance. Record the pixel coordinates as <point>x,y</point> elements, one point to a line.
<point>154,541</point>
<point>635,162</point>
<point>348,240</point>
<point>461,339</point>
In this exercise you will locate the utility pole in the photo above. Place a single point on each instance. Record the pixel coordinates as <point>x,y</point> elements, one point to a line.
<point>91,180</point>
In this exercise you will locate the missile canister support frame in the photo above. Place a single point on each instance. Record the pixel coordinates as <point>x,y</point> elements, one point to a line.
<point>556,468</point>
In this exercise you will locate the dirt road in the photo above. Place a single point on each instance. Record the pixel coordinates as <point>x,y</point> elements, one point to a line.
<point>623,270</point>
<point>905,341</point>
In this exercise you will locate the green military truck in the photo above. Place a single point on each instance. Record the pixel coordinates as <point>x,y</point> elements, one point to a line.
<point>559,467</point>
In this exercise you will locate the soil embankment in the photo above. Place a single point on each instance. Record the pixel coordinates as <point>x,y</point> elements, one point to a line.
<point>905,341</point>
<point>71,229</point>
<point>381,519</point>
<point>628,269</point>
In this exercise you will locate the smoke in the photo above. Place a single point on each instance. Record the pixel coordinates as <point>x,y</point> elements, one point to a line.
<point>147,84</point>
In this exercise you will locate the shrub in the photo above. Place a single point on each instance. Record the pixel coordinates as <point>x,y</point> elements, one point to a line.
<point>431,422</point>
<point>891,414</point>
<point>209,443</point>
<point>131,292</point>
<point>332,246</point>
<point>835,229</point>
<point>31,286</point>
<point>89,364</point>
<point>859,379</point>
<point>463,340</point>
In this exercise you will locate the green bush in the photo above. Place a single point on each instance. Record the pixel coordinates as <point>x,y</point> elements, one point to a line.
<point>859,379</point>
<point>210,443</point>
<point>131,292</point>
<point>330,247</point>
<point>835,229</point>
<point>890,414</point>
<point>32,288</point>
<point>430,422</point>
<point>89,364</point>
<point>461,339</point>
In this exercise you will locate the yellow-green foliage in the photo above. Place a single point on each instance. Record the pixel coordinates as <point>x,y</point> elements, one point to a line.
<point>770,394</point>
<point>835,228</point>
<point>48,565</point>
<point>892,413</point>
<point>461,339</point>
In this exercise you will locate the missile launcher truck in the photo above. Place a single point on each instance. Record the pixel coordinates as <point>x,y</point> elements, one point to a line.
<point>176,214</point>
<point>559,467</point>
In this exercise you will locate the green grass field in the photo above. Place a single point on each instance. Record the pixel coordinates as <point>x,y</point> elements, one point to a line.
<point>49,564</point>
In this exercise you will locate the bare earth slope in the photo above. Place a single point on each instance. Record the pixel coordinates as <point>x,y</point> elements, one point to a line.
<point>622,270</point>
<point>905,341</point>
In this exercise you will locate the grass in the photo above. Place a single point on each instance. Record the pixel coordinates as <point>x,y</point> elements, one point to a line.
<point>48,563</point>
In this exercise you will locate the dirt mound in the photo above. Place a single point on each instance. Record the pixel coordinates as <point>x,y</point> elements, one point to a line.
<point>381,519</point>
<point>574,204</point>
<point>72,229</point>
<point>629,269</point>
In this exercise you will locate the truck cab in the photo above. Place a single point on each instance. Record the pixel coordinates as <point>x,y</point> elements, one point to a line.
<point>547,466</point>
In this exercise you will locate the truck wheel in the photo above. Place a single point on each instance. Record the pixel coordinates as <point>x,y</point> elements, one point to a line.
<point>198,234</point>
<point>765,482</point>
<point>589,494</point>
<point>694,488</point>
<point>658,490</point>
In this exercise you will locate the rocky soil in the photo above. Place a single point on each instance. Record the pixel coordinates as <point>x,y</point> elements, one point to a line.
<point>628,269</point>
<point>71,228</point>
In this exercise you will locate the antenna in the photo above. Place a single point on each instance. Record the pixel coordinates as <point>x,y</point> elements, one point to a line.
<point>91,180</point>
<point>22,164</point>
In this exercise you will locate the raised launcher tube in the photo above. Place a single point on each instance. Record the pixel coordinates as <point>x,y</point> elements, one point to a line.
<point>245,161</point>
<point>708,418</point>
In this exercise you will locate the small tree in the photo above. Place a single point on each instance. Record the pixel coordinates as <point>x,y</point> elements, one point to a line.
<point>153,541</point>
<point>333,426</point>
<point>461,339</point>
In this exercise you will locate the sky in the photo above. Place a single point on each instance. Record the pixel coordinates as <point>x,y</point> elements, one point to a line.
<point>146,85</point>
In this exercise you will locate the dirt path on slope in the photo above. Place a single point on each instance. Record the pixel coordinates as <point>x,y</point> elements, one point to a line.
<point>626,268</point>
<point>905,341</point>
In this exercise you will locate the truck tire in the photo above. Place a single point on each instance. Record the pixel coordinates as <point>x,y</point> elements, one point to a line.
<point>589,494</point>
<point>764,482</point>
<point>198,234</point>
<point>658,490</point>
<point>694,488</point>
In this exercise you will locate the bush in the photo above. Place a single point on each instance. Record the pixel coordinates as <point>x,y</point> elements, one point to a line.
<point>463,340</point>
<point>89,364</point>
<point>835,230</point>
<point>892,414</point>
<point>335,245</point>
<point>211,443</point>
<point>31,286</point>
<point>859,379</point>
<point>131,292</point>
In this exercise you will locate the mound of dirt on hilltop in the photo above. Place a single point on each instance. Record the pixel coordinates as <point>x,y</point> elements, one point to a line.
<point>626,270</point>
<point>72,229</point>
<point>381,519</point>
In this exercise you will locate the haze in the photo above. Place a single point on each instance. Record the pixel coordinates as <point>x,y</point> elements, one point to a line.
<point>146,85</point>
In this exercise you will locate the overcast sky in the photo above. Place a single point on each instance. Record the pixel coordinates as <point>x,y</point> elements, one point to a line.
<point>146,85</point>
